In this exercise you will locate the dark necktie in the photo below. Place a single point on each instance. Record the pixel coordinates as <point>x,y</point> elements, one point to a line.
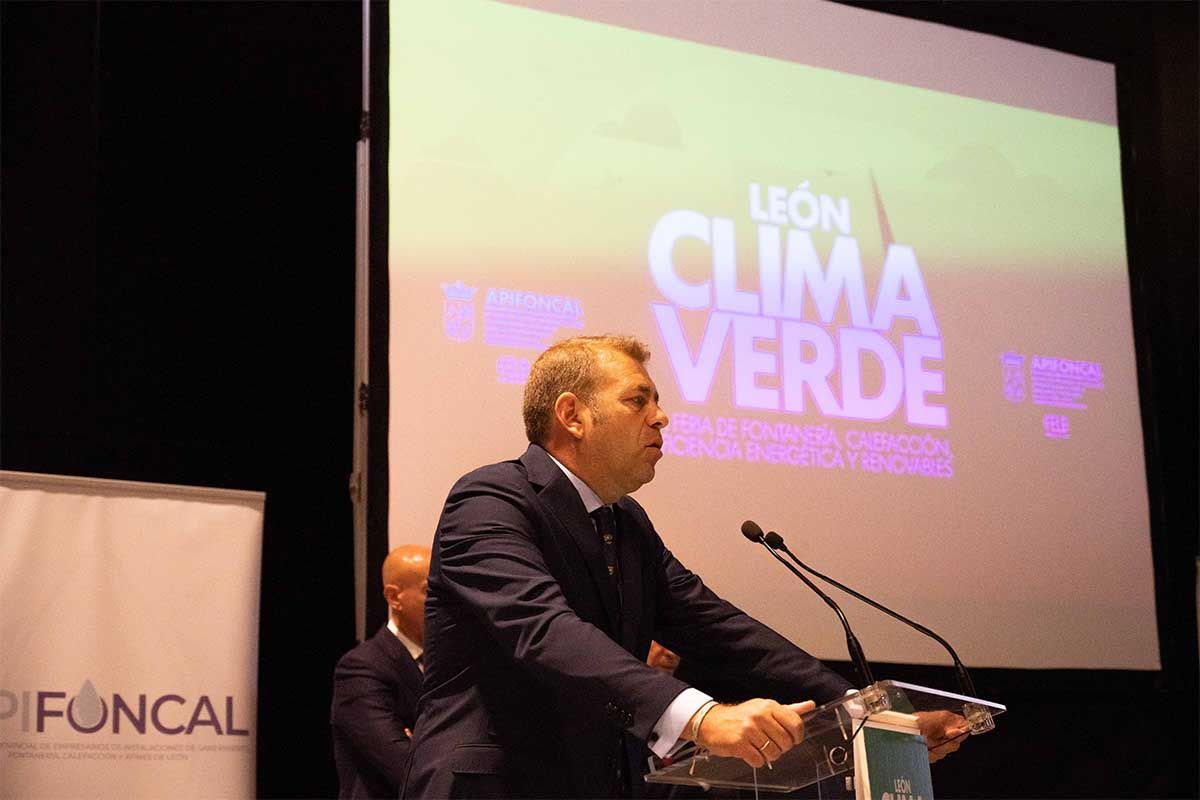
<point>606,526</point>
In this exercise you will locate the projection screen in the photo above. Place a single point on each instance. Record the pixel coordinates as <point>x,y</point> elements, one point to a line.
<point>881,267</point>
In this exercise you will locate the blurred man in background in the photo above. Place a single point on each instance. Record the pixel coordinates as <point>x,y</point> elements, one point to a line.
<point>376,685</point>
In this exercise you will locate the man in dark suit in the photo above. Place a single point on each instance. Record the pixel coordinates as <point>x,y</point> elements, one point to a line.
<point>548,583</point>
<point>377,684</point>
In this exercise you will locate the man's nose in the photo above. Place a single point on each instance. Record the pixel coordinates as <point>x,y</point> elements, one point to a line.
<point>661,420</point>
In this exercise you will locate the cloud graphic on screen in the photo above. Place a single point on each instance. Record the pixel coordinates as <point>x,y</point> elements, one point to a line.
<point>649,122</point>
<point>975,162</point>
<point>982,165</point>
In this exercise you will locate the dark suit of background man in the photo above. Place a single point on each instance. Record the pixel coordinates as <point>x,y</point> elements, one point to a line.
<point>377,684</point>
<point>540,618</point>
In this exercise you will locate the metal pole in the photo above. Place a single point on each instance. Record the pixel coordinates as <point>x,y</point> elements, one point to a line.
<point>362,374</point>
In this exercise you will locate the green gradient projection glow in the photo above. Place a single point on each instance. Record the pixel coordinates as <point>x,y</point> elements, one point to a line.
<point>511,126</point>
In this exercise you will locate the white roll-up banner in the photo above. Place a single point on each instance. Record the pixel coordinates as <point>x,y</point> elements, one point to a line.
<point>128,638</point>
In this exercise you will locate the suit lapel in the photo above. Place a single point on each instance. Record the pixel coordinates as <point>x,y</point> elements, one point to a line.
<point>565,505</point>
<point>395,650</point>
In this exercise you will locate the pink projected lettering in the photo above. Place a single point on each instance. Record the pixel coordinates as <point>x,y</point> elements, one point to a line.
<point>1056,426</point>
<point>750,440</point>
<point>514,318</point>
<point>511,318</point>
<point>1062,382</point>
<point>512,370</point>
<point>1055,382</point>
<point>781,351</point>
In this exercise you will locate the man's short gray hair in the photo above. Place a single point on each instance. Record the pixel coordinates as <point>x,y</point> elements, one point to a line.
<point>572,365</point>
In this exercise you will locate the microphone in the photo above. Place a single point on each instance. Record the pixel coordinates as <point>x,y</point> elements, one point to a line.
<point>754,533</point>
<point>775,542</point>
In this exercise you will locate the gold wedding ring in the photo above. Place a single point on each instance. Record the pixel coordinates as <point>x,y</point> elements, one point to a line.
<point>762,749</point>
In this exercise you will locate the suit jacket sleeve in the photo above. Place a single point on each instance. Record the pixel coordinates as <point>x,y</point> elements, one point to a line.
<point>490,560</point>
<point>364,711</point>
<point>725,641</point>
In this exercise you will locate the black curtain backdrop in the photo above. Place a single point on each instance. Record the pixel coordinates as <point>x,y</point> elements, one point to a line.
<point>176,303</point>
<point>178,293</point>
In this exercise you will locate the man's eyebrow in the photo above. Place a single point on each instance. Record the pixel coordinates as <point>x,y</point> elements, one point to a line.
<point>646,389</point>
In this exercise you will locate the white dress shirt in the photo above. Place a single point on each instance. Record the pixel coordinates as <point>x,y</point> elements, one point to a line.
<point>415,650</point>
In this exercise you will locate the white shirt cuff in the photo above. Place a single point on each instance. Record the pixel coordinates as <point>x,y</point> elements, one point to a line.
<point>665,736</point>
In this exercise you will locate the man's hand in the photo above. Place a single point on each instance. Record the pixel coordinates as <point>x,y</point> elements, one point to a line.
<point>943,732</point>
<point>756,731</point>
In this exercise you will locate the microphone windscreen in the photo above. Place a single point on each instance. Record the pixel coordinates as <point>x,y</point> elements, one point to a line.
<point>774,540</point>
<point>751,530</point>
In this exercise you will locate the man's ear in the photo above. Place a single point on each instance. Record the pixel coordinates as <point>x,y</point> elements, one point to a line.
<point>570,413</point>
<point>391,593</point>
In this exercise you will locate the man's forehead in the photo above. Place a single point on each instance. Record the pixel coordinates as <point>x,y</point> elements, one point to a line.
<point>639,383</point>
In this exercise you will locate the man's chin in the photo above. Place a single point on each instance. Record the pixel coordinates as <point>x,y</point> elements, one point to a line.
<point>639,480</point>
<point>646,476</point>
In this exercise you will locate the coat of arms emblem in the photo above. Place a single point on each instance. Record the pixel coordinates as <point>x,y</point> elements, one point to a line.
<point>458,311</point>
<point>1014,376</point>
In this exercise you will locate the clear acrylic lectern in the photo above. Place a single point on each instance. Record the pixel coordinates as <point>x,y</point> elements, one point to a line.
<point>828,746</point>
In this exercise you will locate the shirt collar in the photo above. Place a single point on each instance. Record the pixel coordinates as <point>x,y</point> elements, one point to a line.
<point>414,649</point>
<point>591,500</point>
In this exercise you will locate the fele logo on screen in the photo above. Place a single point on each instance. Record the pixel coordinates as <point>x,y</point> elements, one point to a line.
<point>787,348</point>
<point>44,711</point>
